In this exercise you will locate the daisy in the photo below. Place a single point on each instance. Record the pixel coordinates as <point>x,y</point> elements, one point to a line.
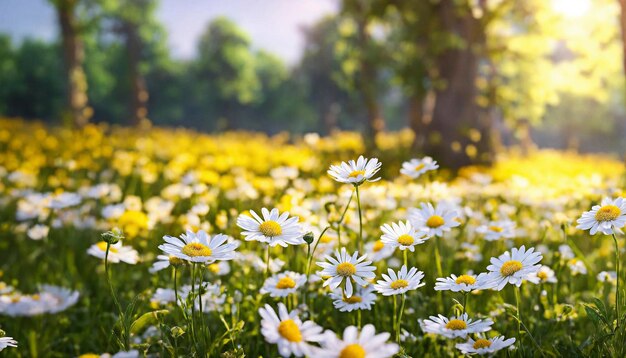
<point>6,341</point>
<point>283,284</point>
<point>164,261</point>
<point>545,274</point>
<point>57,299</point>
<point>464,283</point>
<point>399,283</point>
<point>38,232</point>
<point>496,230</point>
<point>219,268</point>
<point>357,344</point>
<point>117,252</point>
<point>287,331</point>
<point>355,172</point>
<point>484,346</point>
<point>348,267</point>
<point>607,276</point>
<point>164,296</point>
<point>513,267</point>
<point>199,247</point>
<point>401,235</point>
<point>607,218</point>
<point>457,326</point>
<point>431,221</point>
<point>362,299</point>
<point>378,251</point>
<point>273,228</point>
<point>416,167</point>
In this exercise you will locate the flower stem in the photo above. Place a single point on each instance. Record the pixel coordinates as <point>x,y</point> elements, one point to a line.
<point>345,210</point>
<point>464,302</point>
<point>405,258</point>
<point>117,303</point>
<point>400,318</point>
<point>267,261</point>
<point>519,312</point>
<point>358,202</point>
<point>617,303</point>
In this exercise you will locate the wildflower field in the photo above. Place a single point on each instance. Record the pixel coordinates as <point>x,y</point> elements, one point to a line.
<point>171,243</point>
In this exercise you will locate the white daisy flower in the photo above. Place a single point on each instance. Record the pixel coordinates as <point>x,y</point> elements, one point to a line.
<point>7,342</point>
<point>283,284</point>
<point>608,218</point>
<point>50,299</point>
<point>378,251</point>
<point>416,167</point>
<point>457,326</point>
<point>199,247</point>
<point>403,281</point>
<point>607,276</point>
<point>545,274</point>
<point>273,228</point>
<point>64,200</point>
<point>355,172</point>
<point>117,252</point>
<point>433,221</point>
<point>348,267</point>
<point>362,299</point>
<point>484,346</point>
<point>219,268</point>
<point>577,267</point>
<point>164,261</point>
<point>212,298</point>
<point>287,331</point>
<point>496,230</point>
<point>38,232</point>
<point>514,267</point>
<point>164,296</point>
<point>357,344</point>
<point>566,252</point>
<point>464,283</point>
<point>402,235</point>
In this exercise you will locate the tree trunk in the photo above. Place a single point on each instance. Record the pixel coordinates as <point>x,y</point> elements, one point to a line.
<point>139,92</point>
<point>77,109</point>
<point>456,116</point>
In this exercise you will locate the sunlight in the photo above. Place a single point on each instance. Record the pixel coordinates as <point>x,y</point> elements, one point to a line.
<point>571,8</point>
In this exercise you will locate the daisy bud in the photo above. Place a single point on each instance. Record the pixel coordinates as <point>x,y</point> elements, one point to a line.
<point>177,331</point>
<point>113,237</point>
<point>309,237</point>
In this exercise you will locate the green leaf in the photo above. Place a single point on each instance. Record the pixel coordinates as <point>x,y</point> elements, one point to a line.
<point>147,319</point>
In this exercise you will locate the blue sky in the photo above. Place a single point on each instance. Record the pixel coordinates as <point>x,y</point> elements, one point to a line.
<point>273,25</point>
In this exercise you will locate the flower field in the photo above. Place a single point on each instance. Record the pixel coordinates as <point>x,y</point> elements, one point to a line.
<point>171,243</point>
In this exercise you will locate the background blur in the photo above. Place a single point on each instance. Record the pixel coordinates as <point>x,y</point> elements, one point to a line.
<point>466,77</point>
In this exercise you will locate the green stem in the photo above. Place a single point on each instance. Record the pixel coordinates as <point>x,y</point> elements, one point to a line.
<point>400,318</point>
<point>464,302</point>
<point>617,303</point>
<point>345,210</point>
<point>395,311</point>
<point>405,258</point>
<point>519,312</point>
<point>358,202</point>
<point>267,262</point>
<point>117,303</point>
<point>438,258</point>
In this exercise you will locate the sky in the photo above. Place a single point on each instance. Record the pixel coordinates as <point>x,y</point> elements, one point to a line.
<point>273,25</point>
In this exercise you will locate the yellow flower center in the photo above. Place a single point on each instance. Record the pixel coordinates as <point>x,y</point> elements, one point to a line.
<point>175,261</point>
<point>356,173</point>
<point>353,299</point>
<point>608,213</point>
<point>435,221</point>
<point>103,246</point>
<point>496,228</point>
<point>397,284</point>
<point>542,275</point>
<point>346,269</point>
<point>326,239</point>
<point>510,267</point>
<point>215,268</point>
<point>89,355</point>
<point>406,240</point>
<point>378,245</point>
<point>196,249</point>
<point>270,228</point>
<point>285,283</point>
<point>419,167</point>
<point>466,279</point>
<point>456,325</point>
<point>290,331</point>
<point>352,351</point>
<point>482,343</point>
<point>35,297</point>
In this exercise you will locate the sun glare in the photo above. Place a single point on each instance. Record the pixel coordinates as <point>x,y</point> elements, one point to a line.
<point>571,8</point>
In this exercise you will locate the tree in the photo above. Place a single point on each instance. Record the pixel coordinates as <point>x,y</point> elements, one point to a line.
<point>78,111</point>
<point>224,73</point>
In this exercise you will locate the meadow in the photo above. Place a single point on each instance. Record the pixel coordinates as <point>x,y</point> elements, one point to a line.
<point>171,243</point>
